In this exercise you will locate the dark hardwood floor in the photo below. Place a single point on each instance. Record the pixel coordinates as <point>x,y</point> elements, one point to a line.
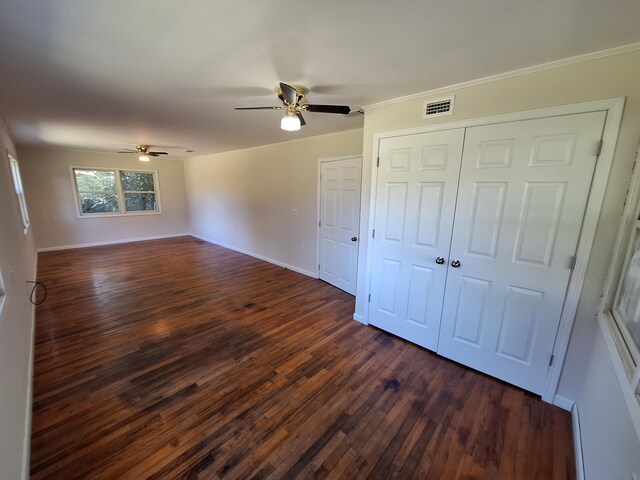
<point>179,359</point>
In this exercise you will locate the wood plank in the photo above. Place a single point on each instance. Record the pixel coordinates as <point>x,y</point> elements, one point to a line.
<point>179,359</point>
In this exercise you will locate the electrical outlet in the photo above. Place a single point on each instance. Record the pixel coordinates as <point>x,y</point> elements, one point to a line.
<point>299,241</point>
<point>294,212</point>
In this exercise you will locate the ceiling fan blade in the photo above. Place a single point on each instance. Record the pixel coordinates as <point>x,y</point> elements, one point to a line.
<point>356,113</point>
<point>155,154</point>
<point>258,108</point>
<point>302,122</point>
<point>289,94</point>
<point>128,151</point>
<point>339,109</point>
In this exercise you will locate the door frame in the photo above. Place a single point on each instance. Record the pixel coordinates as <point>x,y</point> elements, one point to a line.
<point>613,108</point>
<point>319,212</point>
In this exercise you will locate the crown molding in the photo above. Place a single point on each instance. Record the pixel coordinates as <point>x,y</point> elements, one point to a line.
<point>513,73</point>
<point>295,140</point>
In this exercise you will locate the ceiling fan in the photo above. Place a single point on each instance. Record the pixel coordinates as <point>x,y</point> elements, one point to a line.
<point>292,97</point>
<point>143,152</point>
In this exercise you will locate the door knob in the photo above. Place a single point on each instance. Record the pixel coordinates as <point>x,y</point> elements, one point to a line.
<point>354,239</point>
<point>439,260</point>
<point>455,263</point>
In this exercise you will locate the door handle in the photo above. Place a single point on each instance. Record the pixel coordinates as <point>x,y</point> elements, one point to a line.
<point>354,239</point>
<point>455,263</point>
<point>439,260</point>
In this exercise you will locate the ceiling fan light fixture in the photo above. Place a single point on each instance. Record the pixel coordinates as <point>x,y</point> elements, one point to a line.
<point>292,98</point>
<point>143,157</point>
<point>290,123</point>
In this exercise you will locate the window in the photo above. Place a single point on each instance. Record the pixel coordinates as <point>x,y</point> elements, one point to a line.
<point>17,185</point>
<point>2,294</point>
<point>626,307</point>
<point>113,191</point>
<point>621,300</point>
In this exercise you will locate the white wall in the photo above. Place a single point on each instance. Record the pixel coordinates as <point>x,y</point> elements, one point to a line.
<point>245,199</point>
<point>611,450</point>
<point>17,265</point>
<point>50,193</point>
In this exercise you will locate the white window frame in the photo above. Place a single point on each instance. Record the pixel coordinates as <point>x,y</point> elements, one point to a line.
<point>119,192</point>
<point>625,354</point>
<point>19,189</point>
<point>2,293</point>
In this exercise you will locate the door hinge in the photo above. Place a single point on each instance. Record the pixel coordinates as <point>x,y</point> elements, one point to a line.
<point>321,178</point>
<point>551,359</point>
<point>373,235</point>
<point>369,298</point>
<point>319,223</point>
<point>599,149</point>
<point>378,162</point>
<point>574,259</point>
<point>318,267</point>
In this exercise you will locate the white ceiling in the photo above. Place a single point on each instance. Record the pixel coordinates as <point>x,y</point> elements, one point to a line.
<point>100,75</point>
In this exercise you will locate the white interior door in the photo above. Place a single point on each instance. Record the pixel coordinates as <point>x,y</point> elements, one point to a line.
<point>340,222</point>
<point>415,203</point>
<point>522,196</point>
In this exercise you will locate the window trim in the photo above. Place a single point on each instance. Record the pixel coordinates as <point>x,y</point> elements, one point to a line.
<point>625,357</point>
<point>3,294</point>
<point>632,350</point>
<point>119,192</point>
<point>18,188</point>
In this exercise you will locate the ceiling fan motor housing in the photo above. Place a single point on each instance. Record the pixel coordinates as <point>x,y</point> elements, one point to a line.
<point>300,90</point>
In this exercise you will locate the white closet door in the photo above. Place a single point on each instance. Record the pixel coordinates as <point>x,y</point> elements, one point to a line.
<point>522,196</point>
<point>415,202</point>
<point>340,222</point>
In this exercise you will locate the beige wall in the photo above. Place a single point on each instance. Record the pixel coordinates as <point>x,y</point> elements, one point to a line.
<point>50,194</point>
<point>17,266</point>
<point>245,199</point>
<point>588,376</point>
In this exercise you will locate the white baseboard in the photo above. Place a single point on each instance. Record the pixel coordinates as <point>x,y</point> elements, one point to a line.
<point>360,318</point>
<point>563,403</point>
<point>577,442</point>
<point>258,256</point>
<point>111,242</point>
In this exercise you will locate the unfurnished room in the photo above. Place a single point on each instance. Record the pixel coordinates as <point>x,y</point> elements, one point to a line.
<point>343,240</point>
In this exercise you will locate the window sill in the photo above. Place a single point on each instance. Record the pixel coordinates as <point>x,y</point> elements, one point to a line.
<point>112,215</point>
<point>621,363</point>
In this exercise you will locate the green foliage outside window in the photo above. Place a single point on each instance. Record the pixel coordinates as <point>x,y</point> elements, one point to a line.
<point>99,203</point>
<point>138,182</point>
<point>136,202</point>
<point>98,191</point>
<point>96,180</point>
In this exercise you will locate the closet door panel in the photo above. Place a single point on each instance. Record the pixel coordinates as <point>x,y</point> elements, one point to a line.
<point>522,194</point>
<point>415,203</point>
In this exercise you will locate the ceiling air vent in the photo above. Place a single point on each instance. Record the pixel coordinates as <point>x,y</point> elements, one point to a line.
<point>436,108</point>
